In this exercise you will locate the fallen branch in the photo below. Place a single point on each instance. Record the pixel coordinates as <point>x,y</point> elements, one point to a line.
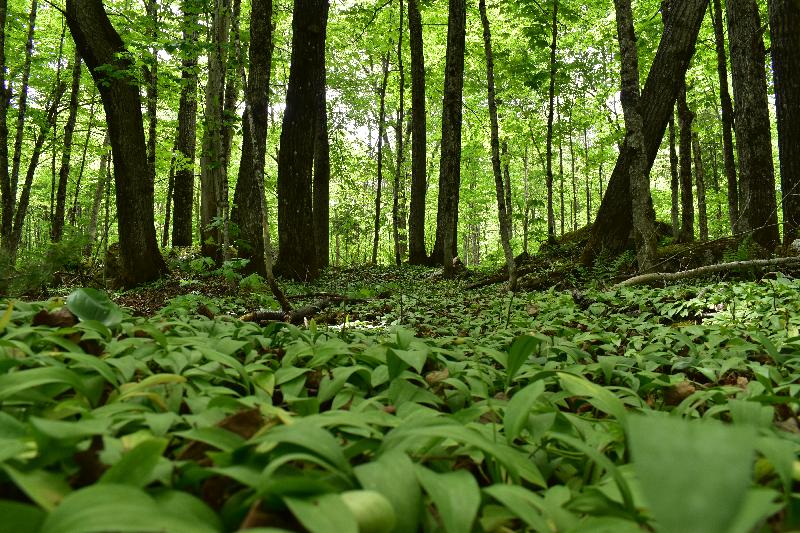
<point>298,316</point>
<point>710,269</point>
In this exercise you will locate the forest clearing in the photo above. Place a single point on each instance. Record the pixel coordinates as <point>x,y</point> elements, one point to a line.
<point>367,266</point>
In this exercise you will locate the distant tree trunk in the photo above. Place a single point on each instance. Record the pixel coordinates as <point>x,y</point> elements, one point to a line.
<point>586,175</point>
<point>700,180</point>
<point>398,168</point>
<point>503,208</point>
<point>419,143</point>
<point>100,45</point>
<point>784,21</point>
<point>612,227</point>
<point>444,249</point>
<point>69,130</point>
<point>235,59</point>
<point>753,137</point>
<point>561,180</point>
<point>639,177</point>
<point>381,129</point>
<point>527,199</point>
<point>187,130</point>
<point>214,166</point>
<point>151,87</point>
<point>727,117</point>
<point>74,213</point>
<point>97,197</point>
<point>506,160</point>
<point>551,218</point>
<point>22,105</point>
<point>248,212</point>
<point>322,175</point>
<point>574,204</point>
<point>8,200</point>
<point>674,183</point>
<point>170,193</point>
<point>297,256</point>
<point>685,119</point>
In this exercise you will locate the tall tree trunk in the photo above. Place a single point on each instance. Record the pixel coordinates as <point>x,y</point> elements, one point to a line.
<point>187,130</point>
<point>73,213</point>
<point>639,177</point>
<point>232,82</point>
<point>248,212</point>
<point>506,159</point>
<point>700,180</point>
<point>170,193</point>
<point>297,256</point>
<point>444,249</point>
<point>757,203</point>
<point>419,142</point>
<point>381,129</point>
<point>100,45</point>
<point>503,208</point>
<point>551,218</point>
<point>674,182</point>
<point>586,178</point>
<point>614,221</point>
<point>97,197</point>
<point>784,21</point>
<point>398,169</point>
<point>66,154</point>
<point>561,179</point>
<point>685,119</point>
<point>574,205</point>
<point>151,89</point>
<point>322,174</point>
<point>6,197</point>
<point>214,165</point>
<point>526,195</point>
<point>727,118</point>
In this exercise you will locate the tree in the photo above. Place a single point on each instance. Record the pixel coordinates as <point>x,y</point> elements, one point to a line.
<point>503,208</point>
<point>398,167</point>
<point>322,173</point>
<point>614,221</point>
<point>639,177</point>
<point>758,209</point>
<point>379,153</point>
<point>551,218</point>
<point>297,257</point>
<point>700,181</point>
<point>784,21</point>
<point>186,145</point>
<point>444,248</point>
<point>101,47</point>
<point>419,142</point>
<point>64,170</point>
<point>685,119</point>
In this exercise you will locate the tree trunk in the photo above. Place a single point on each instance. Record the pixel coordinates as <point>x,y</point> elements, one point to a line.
<point>685,119</point>
<point>73,213</point>
<point>527,199</point>
<point>170,193</point>
<point>551,218</point>
<point>700,180</point>
<point>586,175</point>
<point>297,256</point>
<point>64,170</point>
<point>151,89</point>
<point>639,177</point>
<point>753,136</point>
<point>727,118</point>
<point>381,128</point>
<point>444,249</point>
<point>100,45</point>
<point>503,208</point>
<point>234,61</point>
<point>187,130</point>
<point>97,197</point>
<point>419,142</point>
<point>674,183</point>
<point>214,166</point>
<point>561,178</point>
<point>614,219</point>
<point>784,21</point>
<point>322,174</point>
<point>247,211</point>
<point>398,168</point>
<point>8,200</point>
<point>506,159</point>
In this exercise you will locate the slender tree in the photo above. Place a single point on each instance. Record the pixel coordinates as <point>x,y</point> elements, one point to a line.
<point>322,173</point>
<point>551,218</point>
<point>784,21</point>
<point>379,155</point>
<point>674,182</point>
<point>398,167</point>
<point>685,119</point>
<point>66,154</point>
<point>100,46</point>
<point>419,143</point>
<point>700,181</point>
<point>758,207</point>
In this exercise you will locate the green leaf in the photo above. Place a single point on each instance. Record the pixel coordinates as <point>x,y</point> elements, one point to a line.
<point>13,383</point>
<point>323,514</point>
<point>137,466</point>
<point>520,351</point>
<point>596,395</point>
<point>456,496</point>
<point>92,304</point>
<point>44,488</point>
<point>393,476</point>
<point>702,468</point>
<point>19,517</point>
<point>6,318</point>
<point>518,409</point>
<point>523,503</point>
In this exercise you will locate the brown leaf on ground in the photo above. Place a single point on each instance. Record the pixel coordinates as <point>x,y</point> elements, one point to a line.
<point>60,318</point>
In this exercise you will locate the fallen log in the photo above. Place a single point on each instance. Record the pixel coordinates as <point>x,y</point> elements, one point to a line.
<point>299,316</point>
<point>664,277</point>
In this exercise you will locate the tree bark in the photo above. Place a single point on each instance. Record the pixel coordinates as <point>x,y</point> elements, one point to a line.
<point>685,119</point>
<point>614,220</point>
<point>551,218</point>
<point>8,201</point>
<point>506,160</point>
<point>66,154</point>
<point>187,130</point>
<point>727,118</point>
<point>398,168</point>
<point>322,174</point>
<point>419,142</point>
<point>170,194</point>
<point>700,180</point>
<point>248,212</point>
<point>758,207</point>
<point>638,177</point>
<point>151,88</point>
<point>97,197</point>
<point>503,208</point>
<point>297,257</point>
<point>784,21</point>
<point>100,45</point>
<point>444,249</point>
<point>74,211</point>
<point>381,128</point>
<point>674,184</point>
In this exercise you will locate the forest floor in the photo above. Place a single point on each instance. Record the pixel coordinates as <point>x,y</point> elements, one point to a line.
<point>409,403</point>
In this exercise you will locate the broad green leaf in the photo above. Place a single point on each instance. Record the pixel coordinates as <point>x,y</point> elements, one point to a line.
<point>702,468</point>
<point>15,382</point>
<point>136,466</point>
<point>6,318</point>
<point>393,476</point>
<point>522,502</point>
<point>92,304</point>
<point>598,396</point>
<point>456,496</point>
<point>45,488</point>
<point>311,438</point>
<point>20,517</point>
<point>67,430</point>
<point>522,348</point>
<point>518,409</point>
<point>323,514</point>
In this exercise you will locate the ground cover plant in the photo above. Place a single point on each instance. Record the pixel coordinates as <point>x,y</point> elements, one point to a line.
<point>421,407</point>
